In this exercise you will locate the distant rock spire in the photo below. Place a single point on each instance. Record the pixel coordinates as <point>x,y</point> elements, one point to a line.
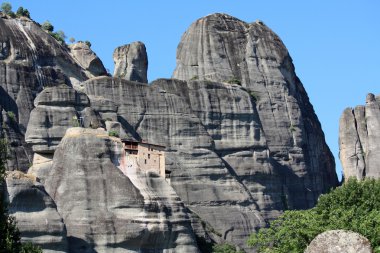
<point>131,62</point>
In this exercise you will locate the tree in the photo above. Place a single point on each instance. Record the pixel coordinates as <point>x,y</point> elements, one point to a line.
<point>10,241</point>
<point>354,206</point>
<point>88,43</point>
<point>47,26</point>
<point>21,12</point>
<point>6,8</point>
<point>72,40</point>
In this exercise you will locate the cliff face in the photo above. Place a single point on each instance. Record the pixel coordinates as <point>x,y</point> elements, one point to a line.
<point>222,48</point>
<point>30,60</point>
<point>359,140</point>
<point>242,140</point>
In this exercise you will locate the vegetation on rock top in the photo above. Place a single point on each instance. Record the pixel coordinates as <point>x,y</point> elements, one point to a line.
<point>354,206</point>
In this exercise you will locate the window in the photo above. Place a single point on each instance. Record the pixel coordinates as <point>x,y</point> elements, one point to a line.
<point>145,161</point>
<point>148,156</point>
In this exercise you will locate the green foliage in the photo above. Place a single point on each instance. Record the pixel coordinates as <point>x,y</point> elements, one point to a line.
<point>21,12</point>
<point>6,7</point>
<point>292,128</point>
<point>225,248</point>
<point>113,133</point>
<point>254,96</point>
<point>30,248</point>
<point>194,78</point>
<point>354,206</point>
<point>47,26</point>
<point>88,43</point>
<point>234,80</point>
<point>72,40</point>
<point>11,115</point>
<point>59,36</point>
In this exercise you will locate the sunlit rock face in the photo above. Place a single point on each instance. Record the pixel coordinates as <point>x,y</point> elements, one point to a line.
<point>131,62</point>
<point>359,140</point>
<point>107,211</point>
<point>30,60</point>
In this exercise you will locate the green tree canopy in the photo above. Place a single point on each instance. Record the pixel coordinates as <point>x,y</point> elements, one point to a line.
<point>47,26</point>
<point>354,206</point>
<point>6,8</point>
<point>21,12</point>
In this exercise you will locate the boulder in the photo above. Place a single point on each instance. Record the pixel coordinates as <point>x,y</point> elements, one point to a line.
<point>131,62</point>
<point>36,213</point>
<point>339,241</point>
<point>87,59</point>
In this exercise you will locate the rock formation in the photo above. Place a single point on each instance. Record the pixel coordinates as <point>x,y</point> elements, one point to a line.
<point>87,59</point>
<point>106,211</point>
<point>36,213</point>
<point>131,62</point>
<point>359,140</point>
<point>339,241</point>
<point>30,60</point>
<point>242,140</point>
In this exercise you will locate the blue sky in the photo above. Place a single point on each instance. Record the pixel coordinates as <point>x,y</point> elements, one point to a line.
<point>335,44</point>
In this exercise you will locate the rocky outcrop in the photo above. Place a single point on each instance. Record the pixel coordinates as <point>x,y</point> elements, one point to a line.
<point>131,62</point>
<point>57,109</point>
<point>30,60</point>
<point>87,59</point>
<point>222,48</point>
<point>35,212</point>
<point>106,211</point>
<point>339,241</point>
<point>359,140</point>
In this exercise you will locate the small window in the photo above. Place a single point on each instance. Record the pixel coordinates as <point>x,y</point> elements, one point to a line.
<point>148,156</point>
<point>145,161</point>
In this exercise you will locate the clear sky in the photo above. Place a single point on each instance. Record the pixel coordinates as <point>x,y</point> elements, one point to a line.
<point>335,44</point>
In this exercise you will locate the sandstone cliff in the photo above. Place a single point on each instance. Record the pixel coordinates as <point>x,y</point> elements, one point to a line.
<point>359,140</point>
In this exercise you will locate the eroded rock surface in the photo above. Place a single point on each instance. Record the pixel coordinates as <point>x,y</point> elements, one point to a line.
<point>106,211</point>
<point>359,140</point>
<point>87,59</point>
<point>36,213</point>
<point>339,241</point>
<point>30,60</point>
<point>57,109</point>
<point>131,62</point>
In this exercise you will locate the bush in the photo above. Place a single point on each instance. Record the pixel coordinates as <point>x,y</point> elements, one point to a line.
<point>11,115</point>
<point>6,8</point>
<point>47,26</point>
<point>354,206</point>
<point>255,97</point>
<point>234,80</point>
<point>225,248</point>
<point>113,133</point>
<point>21,12</point>
<point>88,43</point>
<point>59,36</point>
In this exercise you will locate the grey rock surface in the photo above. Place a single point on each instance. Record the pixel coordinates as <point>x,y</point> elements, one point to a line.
<point>339,241</point>
<point>107,211</point>
<point>359,140</point>
<point>131,62</point>
<point>222,48</point>
<point>36,213</point>
<point>87,59</point>
<point>56,109</point>
<point>30,60</point>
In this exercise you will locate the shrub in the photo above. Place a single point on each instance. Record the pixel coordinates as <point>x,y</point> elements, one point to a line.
<point>47,26</point>
<point>234,80</point>
<point>354,206</point>
<point>113,133</point>
<point>255,97</point>
<point>225,248</point>
<point>11,115</point>
<point>88,43</point>
<point>59,36</point>
<point>21,12</point>
<point>72,40</point>
<point>6,8</point>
